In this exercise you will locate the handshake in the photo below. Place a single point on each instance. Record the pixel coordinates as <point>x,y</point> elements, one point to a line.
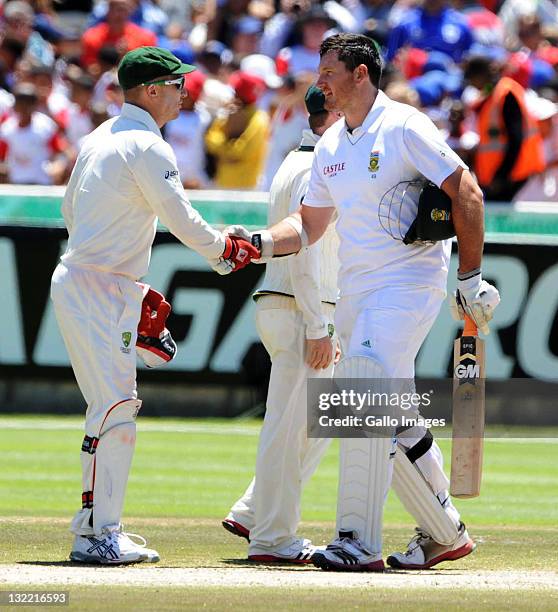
<point>241,248</point>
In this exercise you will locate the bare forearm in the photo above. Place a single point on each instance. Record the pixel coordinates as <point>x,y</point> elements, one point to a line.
<point>314,221</point>
<point>468,218</point>
<point>286,239</point>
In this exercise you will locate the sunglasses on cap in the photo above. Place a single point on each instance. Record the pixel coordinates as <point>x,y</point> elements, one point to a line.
<point>178,83</point>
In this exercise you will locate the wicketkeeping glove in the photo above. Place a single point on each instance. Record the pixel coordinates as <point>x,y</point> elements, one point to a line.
<point>155,344</point>
<point>475,297</point>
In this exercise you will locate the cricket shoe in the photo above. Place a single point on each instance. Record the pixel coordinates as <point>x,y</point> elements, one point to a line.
<point>424,552</point>
<point>347,554</point>
<point>300,551</point>
<point>236,528</point>
<point>112,547</point>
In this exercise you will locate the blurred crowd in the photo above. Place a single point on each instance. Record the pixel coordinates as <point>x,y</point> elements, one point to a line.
<point>484,71</point>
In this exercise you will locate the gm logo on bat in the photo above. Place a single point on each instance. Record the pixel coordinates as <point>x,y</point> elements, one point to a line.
<point>467,371</point>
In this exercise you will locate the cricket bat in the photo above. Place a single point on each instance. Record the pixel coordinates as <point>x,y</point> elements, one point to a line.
<point>468,413</point>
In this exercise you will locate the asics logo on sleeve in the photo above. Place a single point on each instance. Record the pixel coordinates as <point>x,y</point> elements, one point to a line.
<point>169,174</point>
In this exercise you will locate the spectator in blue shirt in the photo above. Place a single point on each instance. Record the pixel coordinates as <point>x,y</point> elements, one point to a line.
<point>434,26</point>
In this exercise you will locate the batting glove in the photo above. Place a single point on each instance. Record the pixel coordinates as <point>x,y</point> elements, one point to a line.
<point>476,298</point>
<point>261,239</point>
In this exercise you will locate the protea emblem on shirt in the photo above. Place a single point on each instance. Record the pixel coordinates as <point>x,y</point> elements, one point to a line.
<point>374,163</point>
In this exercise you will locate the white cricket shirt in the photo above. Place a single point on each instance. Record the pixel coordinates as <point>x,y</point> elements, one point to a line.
<point>352,172</point>
<point>124,179</point>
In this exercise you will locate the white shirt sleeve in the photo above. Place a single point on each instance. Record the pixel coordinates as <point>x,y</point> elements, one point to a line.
<point>427,151</point>
<point>67,208</point>
<point>304,270</point>
<point>318,194</point>
<point>156,173</point>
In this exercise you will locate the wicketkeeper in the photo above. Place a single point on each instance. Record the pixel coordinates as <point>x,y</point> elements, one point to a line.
<point>125,178</point>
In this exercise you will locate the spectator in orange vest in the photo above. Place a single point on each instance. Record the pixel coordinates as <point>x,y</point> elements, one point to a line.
<point>510,146</point>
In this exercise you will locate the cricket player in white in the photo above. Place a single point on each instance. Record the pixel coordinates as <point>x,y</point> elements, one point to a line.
<point>294,317</point>
<point>125,178</point>
<point>390,295</point>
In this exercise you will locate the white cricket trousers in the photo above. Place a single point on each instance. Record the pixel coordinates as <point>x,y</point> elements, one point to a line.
<point>98,315</point>
<point>389,325</point>
<point>286,459</point>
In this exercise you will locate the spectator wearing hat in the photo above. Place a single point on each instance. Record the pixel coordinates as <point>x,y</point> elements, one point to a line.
<point>247,32</point>
<point>118,31</point>
<point>186,134</point>
<point>264,68</point>
<point>31,147</point>
<point>510,145</point>
<point>175,41</point>
<point>432,26</point>
<point>18,19</point>
<point>238,141</point>
<point>305,57</point>
<point>216,59</point>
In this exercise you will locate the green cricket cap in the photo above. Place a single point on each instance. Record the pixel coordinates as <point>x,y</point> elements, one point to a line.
<point>146,64</point>
<point>314,100</point>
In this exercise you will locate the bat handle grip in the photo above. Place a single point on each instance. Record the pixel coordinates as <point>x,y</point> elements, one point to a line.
<point>470,328</point>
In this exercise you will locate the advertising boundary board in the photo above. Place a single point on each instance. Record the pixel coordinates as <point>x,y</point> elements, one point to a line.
<point>212,317</point>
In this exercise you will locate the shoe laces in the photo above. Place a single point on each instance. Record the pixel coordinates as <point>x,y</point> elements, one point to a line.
<point>115,534</point>
<point>416,541</point>
<point>338,543</point>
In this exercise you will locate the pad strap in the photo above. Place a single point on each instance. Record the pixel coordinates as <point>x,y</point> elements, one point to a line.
<point>89,445</point>
<point>87,499</point>
<point>420,448</point>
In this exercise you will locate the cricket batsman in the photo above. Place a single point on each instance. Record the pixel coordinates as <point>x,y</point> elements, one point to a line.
<point>390,295</point>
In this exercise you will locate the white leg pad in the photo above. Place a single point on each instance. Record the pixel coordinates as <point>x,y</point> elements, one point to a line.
<point>365,464</point>
<point>105,469</point>
<point>419,500</point>
<point>365,470</point>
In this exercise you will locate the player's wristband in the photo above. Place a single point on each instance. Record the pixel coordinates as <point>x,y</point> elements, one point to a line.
<point>463,276</point>
<point>263,241</point>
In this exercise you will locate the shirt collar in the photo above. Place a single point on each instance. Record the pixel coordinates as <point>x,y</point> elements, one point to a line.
<point>309,139</point>
<point>131,111</point>
<point>380,104</point>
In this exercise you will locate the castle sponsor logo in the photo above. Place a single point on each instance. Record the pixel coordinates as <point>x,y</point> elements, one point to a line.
<point>334,169</point>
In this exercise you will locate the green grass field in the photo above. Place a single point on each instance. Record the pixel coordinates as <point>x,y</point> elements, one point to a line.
<point>186,474</point>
